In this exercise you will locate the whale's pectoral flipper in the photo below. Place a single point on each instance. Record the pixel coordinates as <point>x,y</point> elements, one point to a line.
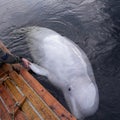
<point>38,69</point>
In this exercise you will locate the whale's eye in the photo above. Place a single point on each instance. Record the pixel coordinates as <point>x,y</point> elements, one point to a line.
<point>69,89</point>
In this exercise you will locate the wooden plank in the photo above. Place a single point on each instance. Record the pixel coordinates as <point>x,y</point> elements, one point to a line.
<point>4,115</point>
<point>20,116</point>
<point>3,112</point>
<point>3,47</point>
<point>43,109</point>
<point>12,88</point>
<point>26,108</point>
<point>7,99</point>
<point>8,106</point>
<point>60,111</point>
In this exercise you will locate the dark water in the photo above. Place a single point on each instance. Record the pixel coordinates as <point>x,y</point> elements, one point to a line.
<point>93,24</point>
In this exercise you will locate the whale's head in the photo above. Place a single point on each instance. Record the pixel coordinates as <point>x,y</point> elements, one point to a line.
<point>82,101</point>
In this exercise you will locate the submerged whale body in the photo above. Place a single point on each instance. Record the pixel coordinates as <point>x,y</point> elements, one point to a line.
<point>66,66</point>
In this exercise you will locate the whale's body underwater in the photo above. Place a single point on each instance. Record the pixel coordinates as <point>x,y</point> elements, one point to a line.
<point>66,66</point>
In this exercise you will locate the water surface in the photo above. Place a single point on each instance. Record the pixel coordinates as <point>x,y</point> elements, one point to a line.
<point>92,24</point>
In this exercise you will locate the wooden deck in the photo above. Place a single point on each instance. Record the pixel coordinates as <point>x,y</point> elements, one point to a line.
<point>22,97</point>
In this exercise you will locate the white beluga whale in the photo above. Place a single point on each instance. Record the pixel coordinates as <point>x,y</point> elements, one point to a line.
<point>66,66</point>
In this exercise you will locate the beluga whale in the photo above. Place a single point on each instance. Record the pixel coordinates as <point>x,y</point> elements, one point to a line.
<point>66,66</point>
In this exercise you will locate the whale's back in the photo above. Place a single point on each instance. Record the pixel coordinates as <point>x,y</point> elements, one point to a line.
<point>50,49</point>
